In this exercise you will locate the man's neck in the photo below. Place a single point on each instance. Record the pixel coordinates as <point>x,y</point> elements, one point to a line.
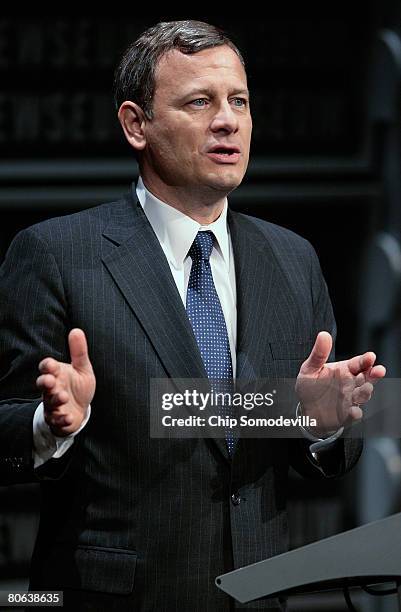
<point>203,208</point>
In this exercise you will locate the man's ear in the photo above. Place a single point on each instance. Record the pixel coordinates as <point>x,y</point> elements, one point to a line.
<point>132,119</point>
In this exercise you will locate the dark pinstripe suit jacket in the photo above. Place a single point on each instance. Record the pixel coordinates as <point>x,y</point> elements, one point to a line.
<point>131,522</point>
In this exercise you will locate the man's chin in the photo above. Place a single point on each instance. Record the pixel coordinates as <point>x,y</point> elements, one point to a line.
<point>225,183</point>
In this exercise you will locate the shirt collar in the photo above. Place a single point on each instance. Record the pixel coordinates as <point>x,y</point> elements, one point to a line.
<point>176,231</point>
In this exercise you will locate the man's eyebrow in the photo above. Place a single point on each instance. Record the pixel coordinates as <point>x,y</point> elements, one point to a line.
<point>241,92</point>
<point>206,91</point>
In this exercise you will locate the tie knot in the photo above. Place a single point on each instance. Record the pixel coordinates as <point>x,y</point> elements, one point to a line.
<point>202,246</point>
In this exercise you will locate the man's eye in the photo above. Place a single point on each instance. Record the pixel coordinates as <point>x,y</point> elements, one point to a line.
<point>239,102</point>
<point>199,102</point>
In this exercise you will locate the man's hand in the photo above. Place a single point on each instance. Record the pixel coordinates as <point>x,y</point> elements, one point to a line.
<point>67,388</point>
<point>333,392</point>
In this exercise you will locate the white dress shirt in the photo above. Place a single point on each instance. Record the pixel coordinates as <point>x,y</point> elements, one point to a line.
<point>175,232</point>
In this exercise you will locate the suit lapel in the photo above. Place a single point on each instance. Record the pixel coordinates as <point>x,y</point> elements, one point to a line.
<point>258,290</point>
<point>140,269</point>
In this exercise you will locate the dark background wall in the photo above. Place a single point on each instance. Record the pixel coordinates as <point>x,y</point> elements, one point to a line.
<point>325,161</point>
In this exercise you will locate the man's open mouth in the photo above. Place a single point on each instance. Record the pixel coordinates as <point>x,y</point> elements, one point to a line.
<point>224,154</point>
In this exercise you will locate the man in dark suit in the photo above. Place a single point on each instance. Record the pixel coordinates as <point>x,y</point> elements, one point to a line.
<point>131,522</point>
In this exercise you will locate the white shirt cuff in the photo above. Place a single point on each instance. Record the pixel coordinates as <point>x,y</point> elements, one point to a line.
<point>45,444</point>
<point>318,443</point>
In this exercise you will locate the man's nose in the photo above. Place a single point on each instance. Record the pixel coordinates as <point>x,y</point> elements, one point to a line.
<point>225,119</point>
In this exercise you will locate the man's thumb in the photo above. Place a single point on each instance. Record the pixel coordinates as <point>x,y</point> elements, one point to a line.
<point>78,349</point>
<point>319,354</point>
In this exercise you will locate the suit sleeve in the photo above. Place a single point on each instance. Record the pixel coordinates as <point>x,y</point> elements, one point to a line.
<point>343,454</point>
<point>33,325</point>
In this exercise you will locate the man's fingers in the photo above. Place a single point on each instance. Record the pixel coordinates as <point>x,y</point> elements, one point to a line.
<point>51,396</point>
<point>319,354</point>
<point>49,366</point>
<point>56,400</point>
<point>59,420</point>
<point>376,373</point>
<point>45,382</point>
<point>360,379</point>
<point>79,350</point>
<point>362,394</point>
<point>355,413</point>
<point>361,363</point>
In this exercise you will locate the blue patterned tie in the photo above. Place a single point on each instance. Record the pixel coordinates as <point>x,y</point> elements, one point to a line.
<point>207,320</point>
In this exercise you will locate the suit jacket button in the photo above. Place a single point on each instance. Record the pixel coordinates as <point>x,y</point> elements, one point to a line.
<point>235,499</point>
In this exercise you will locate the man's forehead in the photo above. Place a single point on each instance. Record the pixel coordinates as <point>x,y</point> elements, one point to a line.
<point>203,63</point>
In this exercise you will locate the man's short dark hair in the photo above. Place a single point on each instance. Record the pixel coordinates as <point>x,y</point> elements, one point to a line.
<point>134,77</point>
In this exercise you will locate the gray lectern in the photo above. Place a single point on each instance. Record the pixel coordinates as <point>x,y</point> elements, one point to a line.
<point>367,555</point>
